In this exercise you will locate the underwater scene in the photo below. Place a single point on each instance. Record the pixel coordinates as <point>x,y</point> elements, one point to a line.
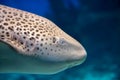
<point>93,23</point>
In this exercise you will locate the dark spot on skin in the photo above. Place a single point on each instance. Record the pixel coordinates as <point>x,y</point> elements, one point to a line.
<point>2,16</point>
<point>35,54</point>
<point>12,22</point>
<point>44,35</point>
<point>41,20</point>
<point>27,49</point>
<point>26,16</point>
<point>7,19</point>
<point>24,29</point>
<point>0,26</point>
<point>3,32</point>
<point>55,50</point>
<point>54,39</point>
<point>46,31</point>
<point>10,28</point>
<point>5,12</point>
<point>51,49</point>
<point>45,22</point>
<point>46,48</point>
<point>21,15</point>
<point>7,33</point>
<point>42,39</point>
<point>25,25</point>
<point>42,24</point>
<point>32,38</point>
<point>1,21</point>
<point>21,42</point>
<point>40,49</point>
<point>35,26</point>
<point>49,34</point>
<point>24,37</point>
<point>41,32</point>
<point>37,23</point>
<point>33,33</point>
<point>31,44</point>
<point>42,53</point>
<point>27,45</point>
<point>20,29</point>
<point>17,19</point>
<point>38,34</point>
<point>47,53</point>
<point>29,23</point>
<point>59,50</point>
<point>36,30</point>
<point>46,38</point>
<point>25,33</point>
<point>2,35</point>
<point>9,16</point>
<point>9,12</point>
<point>41,28</point>
<point>15,14</point>
<point>14,38</point>
<point>28,32</point>
<point>45,43</point>
<point>31,29</point>
<point>32,20</point>
<point>17,33</point>
<point>37,19</point>
<point>5,24</point>
<point>41,44</point>
<point>37,37</point>
<point>37,48</point>
<point>18,24</point>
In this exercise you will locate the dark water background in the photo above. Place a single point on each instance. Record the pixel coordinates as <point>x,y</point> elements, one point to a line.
<point>95,23</point>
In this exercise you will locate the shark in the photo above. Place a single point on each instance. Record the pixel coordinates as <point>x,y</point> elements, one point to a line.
<point>33,44</point>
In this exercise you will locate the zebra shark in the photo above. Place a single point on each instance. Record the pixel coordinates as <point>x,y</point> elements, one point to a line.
<point>39,45</point>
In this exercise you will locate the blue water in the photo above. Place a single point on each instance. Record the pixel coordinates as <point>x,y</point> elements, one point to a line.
<point>95,23</point>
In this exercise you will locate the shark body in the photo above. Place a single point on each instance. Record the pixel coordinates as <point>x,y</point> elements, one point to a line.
<point>40,46</point>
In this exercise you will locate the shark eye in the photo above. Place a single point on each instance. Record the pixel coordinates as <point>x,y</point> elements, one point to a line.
<point>60,41</point>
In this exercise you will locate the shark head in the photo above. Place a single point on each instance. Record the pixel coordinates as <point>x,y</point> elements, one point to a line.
<point>39,44</point>
<point>60,47</point>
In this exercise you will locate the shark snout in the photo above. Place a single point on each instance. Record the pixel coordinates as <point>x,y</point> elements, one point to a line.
<point>78,59</point>
<point>78,56</point>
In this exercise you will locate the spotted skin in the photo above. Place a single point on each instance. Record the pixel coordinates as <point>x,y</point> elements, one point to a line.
<point>36,36</point>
